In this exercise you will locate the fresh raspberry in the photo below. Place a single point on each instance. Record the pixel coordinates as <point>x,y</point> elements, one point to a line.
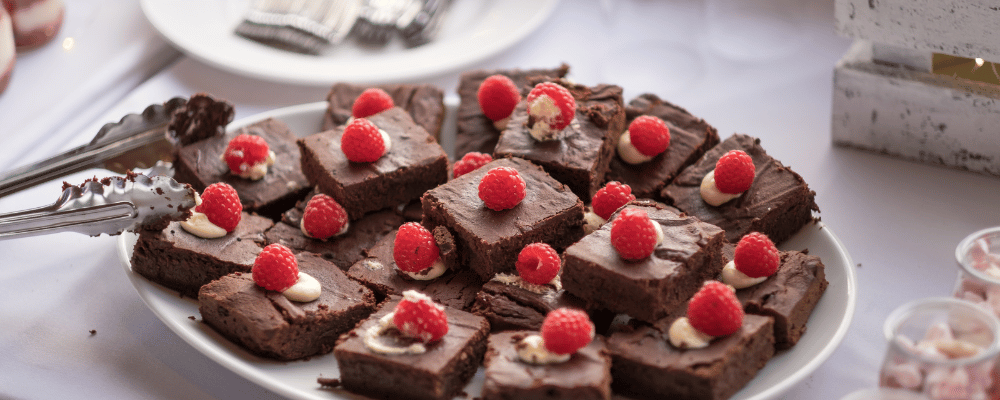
<point>562,98</point>
<point>734,172</point>
<point>275,268</point>
<point>715,310</point>
<point>470,162</point>
<point>323,217</point>
<point>419,317</point>
<point>756,255</point>
<point>221,204</point>
<point>566,330</point>
<point>498,95</point>
<point>649,135</point>
<point>245,151</point>
<point>370,102</point>
<point>633,234</point>
<point>415,249</point>
<point>501,188</point>
<point>538,263</point>
<point>610,198</point>
<point>362,142</point>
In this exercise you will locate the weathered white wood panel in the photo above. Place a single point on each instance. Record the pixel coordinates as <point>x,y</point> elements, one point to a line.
<point>964,28</point>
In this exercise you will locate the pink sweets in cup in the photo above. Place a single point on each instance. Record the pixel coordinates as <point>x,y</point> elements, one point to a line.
<point>978,257</point>
<point>943,348</point>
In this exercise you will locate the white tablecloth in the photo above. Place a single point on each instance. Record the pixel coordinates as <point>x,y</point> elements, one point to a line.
<point>899,220</point>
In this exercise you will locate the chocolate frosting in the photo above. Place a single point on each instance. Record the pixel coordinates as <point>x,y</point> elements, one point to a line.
<point>241,246</point>
<point>509,306</point>
<point>424,103</point>
<point>506,376</point>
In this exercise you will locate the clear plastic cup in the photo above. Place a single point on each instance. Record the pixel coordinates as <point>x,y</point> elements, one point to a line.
<point>978,258</point>
<point>941,347</point>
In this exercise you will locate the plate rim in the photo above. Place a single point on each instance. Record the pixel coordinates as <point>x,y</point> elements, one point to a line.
<point>496,43</point>
<point>216,351</point>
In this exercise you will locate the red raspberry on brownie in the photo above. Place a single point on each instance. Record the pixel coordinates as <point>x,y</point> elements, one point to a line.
<point>221,204</point>
<point>501,188</point>
<point>470,162</point>
<point>634,235</point>
<point>244,152</point>
<point>275,268</point>
<point>756,256</point>
<point>370,102</point>
<point>538,263</point>
<point>323,217</point>
<point>714,310</point>
<point>566,330</point>
<point>419,317</point>
<point>734,172</point>
<point>649,135</point>
<point>551,108</point>
<point>362,141</point>
<point>498,95</point>
<point>610,198</point>
<point>414,249</point>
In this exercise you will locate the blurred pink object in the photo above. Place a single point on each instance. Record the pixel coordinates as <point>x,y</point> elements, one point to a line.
<point>7,53</point>
<point>36,22</point>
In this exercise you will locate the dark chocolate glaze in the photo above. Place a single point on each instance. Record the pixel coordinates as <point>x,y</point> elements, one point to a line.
<point>581,155</point>
<point>777,204</point>
<point>266,323</point>
<point>511,307</point>
<point>586,375</point>
<point>473,130</point>
<point>199,164</point>
<point>424,103</point>
<point>690,138</point>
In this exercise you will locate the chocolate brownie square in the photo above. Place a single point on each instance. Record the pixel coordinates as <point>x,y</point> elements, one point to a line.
<point>652,288</point>
<point>456,288</point>
<point>343,250</point>
<point>510,303</point>
<point>582,152</point>
<point>778,203</point>
<point>199,164</point>
<point>414,163</point>
<point>646,365</point>
<point>789,296</point>
<point>270,325</point>
<point>489,241</point>
<point>424,103</point>
<point>473,130</point>
<point>690,138</point>
<point>438,373</point>
<point>586,375</point>
<point>184,262</point>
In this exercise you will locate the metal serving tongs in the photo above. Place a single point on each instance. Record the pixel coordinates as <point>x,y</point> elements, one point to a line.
<point>110,205</point>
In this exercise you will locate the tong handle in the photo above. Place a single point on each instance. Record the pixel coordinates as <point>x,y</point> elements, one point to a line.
<point>50,219</point>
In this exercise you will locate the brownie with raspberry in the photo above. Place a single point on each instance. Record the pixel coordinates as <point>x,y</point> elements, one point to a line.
<point>690,138</point>
<point>489,241</point>
<point>586,375</point>
<point>441,371</point>
<point>789,296</point>
<point>270,325</point>
<point>582,152</point>
<point>199,164</point>
<point>343,250</point>
<point>457,288</point>
<point>424,103</point>
<point>473,130</point>
<point>645,364</point>
<point>414,163</point>
<point>779,202</point>
<point>181,261</point>
<point>513,304</point>
<point>651,288</point>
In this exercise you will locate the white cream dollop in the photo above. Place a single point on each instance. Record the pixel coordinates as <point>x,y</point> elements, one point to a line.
<point>501,124</point>
<point>385,140</point>
<point>436,269</point>
<point>543,109</point>
<point>684,336</point>
<point>737,279</point>
<point>628,152</point>
<point>592,221</point>
<point>199,225</point>
<point>375,339</point>
<point>515,280</point>
<point>305,289</point>
<point>532,351</point>
<point>256,171</point>
<point>711,193</point>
